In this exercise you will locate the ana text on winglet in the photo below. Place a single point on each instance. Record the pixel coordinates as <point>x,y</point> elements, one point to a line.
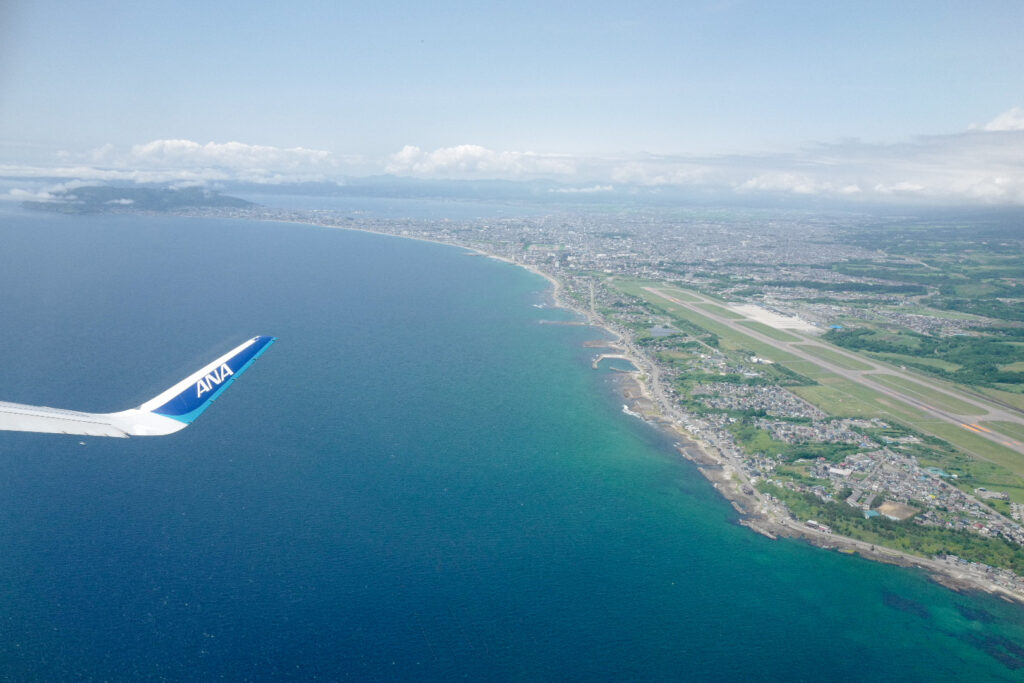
<point>166,413</point>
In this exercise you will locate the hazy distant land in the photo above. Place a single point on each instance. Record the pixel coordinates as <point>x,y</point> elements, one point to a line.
<point>102,198</point>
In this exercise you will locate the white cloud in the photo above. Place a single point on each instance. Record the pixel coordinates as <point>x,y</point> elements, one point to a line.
<point>975,166</point>
<point>100,155</point>
<point>660,170</point>
<point>466,161</point>
<point>980,165</point>
<point>984,164</point>
<point>797,183</point>
<point>190,163</point>
<point>42,193</point>
<point>19,195</point>
<point>237,156</point>
<point>904,188</point>
<point>86,172</point>
<point>1012,119</point>
<point>583,190</point>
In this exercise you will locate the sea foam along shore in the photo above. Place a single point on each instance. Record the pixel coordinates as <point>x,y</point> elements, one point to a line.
<point>764,516</point>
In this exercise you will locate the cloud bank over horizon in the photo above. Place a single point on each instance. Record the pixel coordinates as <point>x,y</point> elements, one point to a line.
<point>177,160</point>
<point>465,160</point>
<point>981,165</point>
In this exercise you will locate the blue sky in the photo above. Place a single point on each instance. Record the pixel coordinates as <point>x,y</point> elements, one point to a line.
<point>742,94</point>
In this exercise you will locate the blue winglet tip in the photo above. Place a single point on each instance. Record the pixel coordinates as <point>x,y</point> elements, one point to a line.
<point>197,397</point>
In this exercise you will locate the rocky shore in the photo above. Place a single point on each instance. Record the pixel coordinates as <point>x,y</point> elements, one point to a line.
<point>646,398</point>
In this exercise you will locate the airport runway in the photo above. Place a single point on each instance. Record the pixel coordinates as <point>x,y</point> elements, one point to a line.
<point>986,410</point>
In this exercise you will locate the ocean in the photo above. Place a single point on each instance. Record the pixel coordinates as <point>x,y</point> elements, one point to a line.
<point>418,481</point>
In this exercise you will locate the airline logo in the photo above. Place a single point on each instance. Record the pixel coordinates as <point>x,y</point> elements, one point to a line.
<point>195,397</point>
<point>213,379</point>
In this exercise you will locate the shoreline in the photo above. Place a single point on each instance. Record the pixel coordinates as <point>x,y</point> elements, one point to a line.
<point>755,512</point>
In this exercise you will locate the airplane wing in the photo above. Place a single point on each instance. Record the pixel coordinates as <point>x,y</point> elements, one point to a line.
<point>166,413</point>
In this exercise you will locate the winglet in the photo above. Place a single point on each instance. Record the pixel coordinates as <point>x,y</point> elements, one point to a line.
<point>168,412</point>
<point>187,399</point>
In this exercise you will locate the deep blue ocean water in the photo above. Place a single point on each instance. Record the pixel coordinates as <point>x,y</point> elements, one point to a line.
<point>418,481</point>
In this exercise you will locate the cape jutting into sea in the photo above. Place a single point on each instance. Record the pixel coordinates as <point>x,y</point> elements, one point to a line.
<point>418,481</point>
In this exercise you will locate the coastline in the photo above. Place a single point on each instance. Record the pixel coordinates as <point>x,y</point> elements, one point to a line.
<point>756,512</point>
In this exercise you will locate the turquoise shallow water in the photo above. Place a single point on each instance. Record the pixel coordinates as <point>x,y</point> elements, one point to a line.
<point>418,481</point>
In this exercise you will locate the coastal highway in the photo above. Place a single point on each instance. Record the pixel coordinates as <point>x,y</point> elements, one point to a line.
<point>984,410</point>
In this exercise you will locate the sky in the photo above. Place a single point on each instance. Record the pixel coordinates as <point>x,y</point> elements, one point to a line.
<point>917,100</point>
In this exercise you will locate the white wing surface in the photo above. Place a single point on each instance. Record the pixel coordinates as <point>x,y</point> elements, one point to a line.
<point>168,412</point>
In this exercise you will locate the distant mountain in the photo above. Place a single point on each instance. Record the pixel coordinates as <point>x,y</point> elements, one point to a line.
<point>102,198</point>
